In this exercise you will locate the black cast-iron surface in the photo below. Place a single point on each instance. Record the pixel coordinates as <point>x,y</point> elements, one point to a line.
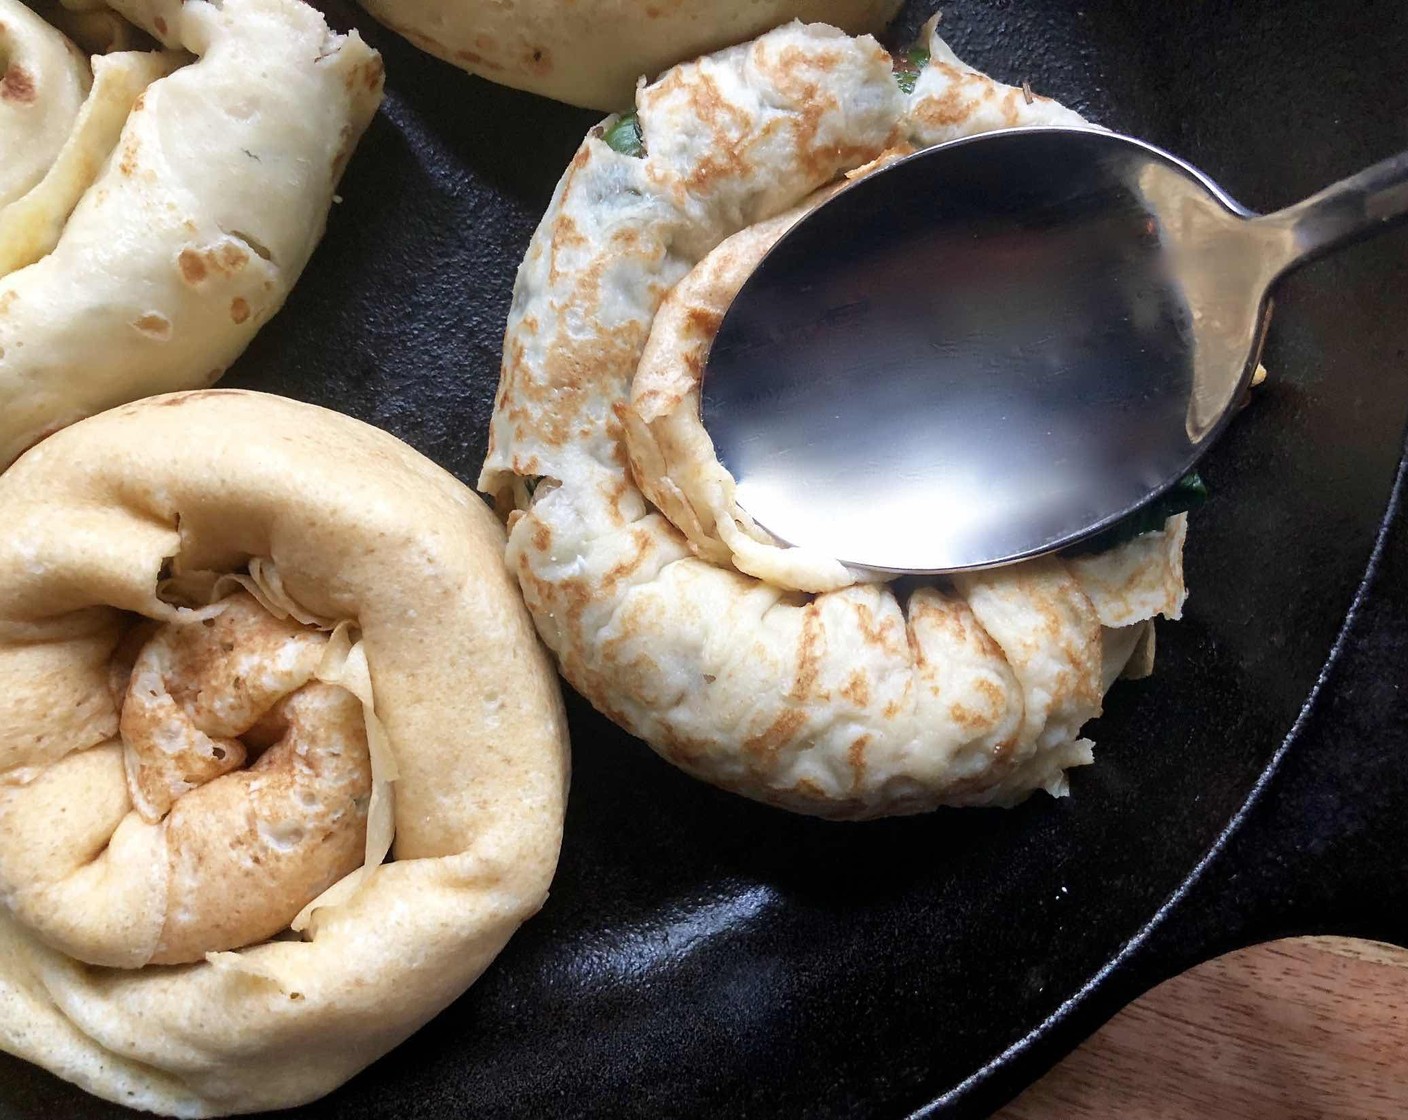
<point>703,955</point>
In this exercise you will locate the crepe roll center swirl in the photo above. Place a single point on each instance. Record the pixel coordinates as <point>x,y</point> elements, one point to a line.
<point>196,687</point>
<point>258,774</point>
<point>237,793</point>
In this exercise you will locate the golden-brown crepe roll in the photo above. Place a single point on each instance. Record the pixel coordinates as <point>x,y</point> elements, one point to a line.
<point>164,205</point>
<point>282,763</point>
<point>593,52</point>
<point>772,671</point>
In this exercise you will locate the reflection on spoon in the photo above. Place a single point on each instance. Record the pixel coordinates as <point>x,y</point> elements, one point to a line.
<point>1003,345</point>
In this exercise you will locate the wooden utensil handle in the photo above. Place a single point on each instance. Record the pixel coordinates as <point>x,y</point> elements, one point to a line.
<point>1304,1027</point>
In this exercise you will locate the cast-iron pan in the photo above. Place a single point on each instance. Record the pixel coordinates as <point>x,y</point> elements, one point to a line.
<point>703,955</point>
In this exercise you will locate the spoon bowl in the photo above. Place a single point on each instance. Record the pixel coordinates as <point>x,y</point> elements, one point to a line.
<point>995,348</point>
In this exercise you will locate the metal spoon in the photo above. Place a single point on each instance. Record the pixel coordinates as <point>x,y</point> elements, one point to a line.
<point>994,348</point>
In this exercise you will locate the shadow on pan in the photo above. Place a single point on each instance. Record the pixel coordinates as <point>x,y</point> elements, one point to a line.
<point>702,954</point>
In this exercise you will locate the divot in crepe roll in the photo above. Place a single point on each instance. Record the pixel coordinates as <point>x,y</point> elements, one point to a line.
<point>156,209</point>
<point>250,649</point>
<point>772,671</point>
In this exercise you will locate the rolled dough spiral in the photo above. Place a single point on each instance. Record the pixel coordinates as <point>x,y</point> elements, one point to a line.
<point>196,800</point>
<point>766,670</point>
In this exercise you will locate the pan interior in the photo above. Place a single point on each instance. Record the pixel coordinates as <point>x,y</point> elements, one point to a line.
<point>700,952</point>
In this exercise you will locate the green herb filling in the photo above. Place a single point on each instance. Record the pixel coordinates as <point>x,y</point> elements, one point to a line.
<point>1188,493</point>
<point>624,136</point>
<point>908,65</point>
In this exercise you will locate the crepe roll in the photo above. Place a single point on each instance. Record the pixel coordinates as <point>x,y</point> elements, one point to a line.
<point>282,763</point>
<point>776,672</point>
<point>168,201</point>
<point>593,52</point>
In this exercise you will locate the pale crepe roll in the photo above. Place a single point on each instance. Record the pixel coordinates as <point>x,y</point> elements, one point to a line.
<point>175,208</point>
<point>593,52</point>
<point>771,671</point>
<point>248,649</point>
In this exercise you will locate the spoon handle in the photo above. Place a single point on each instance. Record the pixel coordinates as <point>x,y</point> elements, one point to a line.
<point>1354,208</point>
